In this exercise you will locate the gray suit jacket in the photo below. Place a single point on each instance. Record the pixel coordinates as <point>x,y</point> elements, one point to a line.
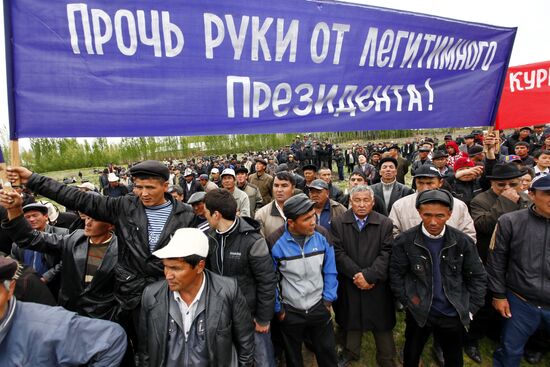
<point>399,191</point>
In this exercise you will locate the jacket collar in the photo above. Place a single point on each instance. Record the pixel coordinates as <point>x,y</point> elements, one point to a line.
<point>372,218</point>
<point>449,238</point>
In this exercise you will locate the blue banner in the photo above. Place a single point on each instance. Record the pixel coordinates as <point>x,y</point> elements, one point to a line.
<point>202,67</point>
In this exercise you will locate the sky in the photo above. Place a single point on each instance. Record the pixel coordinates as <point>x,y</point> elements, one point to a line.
<point>532,43</point>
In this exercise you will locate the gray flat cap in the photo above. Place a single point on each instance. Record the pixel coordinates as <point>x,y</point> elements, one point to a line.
<point>297,205</point>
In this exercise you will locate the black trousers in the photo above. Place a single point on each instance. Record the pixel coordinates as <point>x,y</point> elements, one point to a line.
<point>448,331</point>
<point>315,323</point>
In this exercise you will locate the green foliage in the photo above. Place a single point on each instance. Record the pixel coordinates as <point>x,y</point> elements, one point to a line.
<point>62,154</point>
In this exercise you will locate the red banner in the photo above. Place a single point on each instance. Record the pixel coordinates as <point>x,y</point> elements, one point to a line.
<point>526,96</point>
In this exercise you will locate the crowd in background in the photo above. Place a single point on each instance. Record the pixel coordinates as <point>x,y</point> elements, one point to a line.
<point>306,231</point>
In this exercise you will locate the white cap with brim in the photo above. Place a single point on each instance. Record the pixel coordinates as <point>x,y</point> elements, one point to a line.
<point>185,242</point>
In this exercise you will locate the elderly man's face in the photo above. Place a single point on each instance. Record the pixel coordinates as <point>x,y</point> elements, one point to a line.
<point>498,186</point>
<point>362,203</point>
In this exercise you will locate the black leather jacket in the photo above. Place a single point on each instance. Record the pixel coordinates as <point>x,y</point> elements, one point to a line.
<point>136,267</point>
<point>462,274</point>
<point>228,323</point>
<point>247,259</point>
<point>97,300</point>
<point>520,256</point>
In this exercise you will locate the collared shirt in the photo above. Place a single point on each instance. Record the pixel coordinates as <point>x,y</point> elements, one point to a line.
<point>538,172</point>
<point>281,212</point>
<point>427,234</point>
<point>360,222</point>
<point>188,311</point>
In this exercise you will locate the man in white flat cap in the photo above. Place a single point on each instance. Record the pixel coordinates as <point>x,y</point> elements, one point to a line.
<point>194,317</point>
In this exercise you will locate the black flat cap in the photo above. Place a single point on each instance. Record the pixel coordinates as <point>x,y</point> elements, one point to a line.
<point>437,196</point>
<point>424,149</point>
<point>297,205</point>
<point>8,268</point>
<point>388,159</point>
<point>241,170</point>
<point>427,170</point>
<point>150,169</point>
<point>310,167</point>
<point>469,136</point>
<point>439,154</point>
<point>475,150</point>
<point>196,198</point>
<point>506,171</point>
<point>393,146</point>
<point>36,206</point>
<point>318,184</point>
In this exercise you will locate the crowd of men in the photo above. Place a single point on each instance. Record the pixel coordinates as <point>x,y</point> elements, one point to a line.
<point>241,262</point>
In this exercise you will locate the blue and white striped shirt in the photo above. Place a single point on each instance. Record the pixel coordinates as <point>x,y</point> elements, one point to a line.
<point>156,219</point>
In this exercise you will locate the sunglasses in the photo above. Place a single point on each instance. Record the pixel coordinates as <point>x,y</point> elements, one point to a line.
<point>504,184</point>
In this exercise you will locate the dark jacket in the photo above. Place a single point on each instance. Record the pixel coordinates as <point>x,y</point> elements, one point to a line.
<point>195,187</point>
<point>246,258</point>
<point>136,267</point>
<point>366,251</point>
<point>485,209</point>
<point>464,190</point>
<point>97,300</point>
<point>228,323</point>
<point>335,193</point>
<point>52,261</point>
<point>518,260</point>
<point>402,169</point>
<point>399,190</point>
<point>462,274</point>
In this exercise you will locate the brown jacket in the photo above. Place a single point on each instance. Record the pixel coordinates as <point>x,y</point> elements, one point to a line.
<point>264,183</point>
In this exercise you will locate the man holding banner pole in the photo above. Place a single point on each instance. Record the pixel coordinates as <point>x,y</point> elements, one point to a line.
<point>144,223</point>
